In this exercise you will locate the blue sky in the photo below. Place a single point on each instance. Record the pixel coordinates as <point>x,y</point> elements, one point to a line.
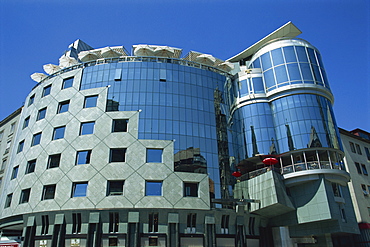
<point>34,33</point>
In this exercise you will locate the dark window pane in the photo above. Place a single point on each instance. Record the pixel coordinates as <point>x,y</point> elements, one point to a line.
<point>31,100</point>
<point>25,196</point>
<point>26,122</point>
<point>67,83</point>
<point>46,91</point>
<point>83,157</point>
<point>59,133</point>
<point>117,155</point>
<point>191,189</point>
<point>119,125</point>
<point>31,166</point>
<point>115,188</point>
<point>20,146</point>
<point>277,56</point>
<point>54,160</point>
<point>15,172</point>
<point>154,155</point>
<point>36,139</point>
<point>41,114</point>
<point>289,54</point>
<point>8,200</point>
<point>266,61</point>
<point>48,192</point>
<point>87,128</point>
<point>90,101</point>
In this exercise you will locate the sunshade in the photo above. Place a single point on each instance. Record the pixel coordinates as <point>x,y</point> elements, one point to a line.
<point>85,56</point>
<point>109,52</point>
<point>51,68</point>
<point>38,77</point>
<point>67,61</point>
<point>226,66</point>
<point>143,50</point>
<point>206,59</point>
<point>164,51</point>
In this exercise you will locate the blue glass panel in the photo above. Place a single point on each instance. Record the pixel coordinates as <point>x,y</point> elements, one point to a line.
<point>59,133</point>
<point>301,52</point>
<point>277,56</point>
<point>83,157</point>
<point>256,63</point>
<point>316,73</point>
<point>311,55</point>
<point>258,85</point>
<point>306,72</point>
<point>289,54</point>
<point>294,73</point>
<point>281,74</point>
<point>36,139</point>
<point>87,128</point>
<point>154,155</point>
<point>269,78</point>
<point>266,61</point>
<point>80,190</point>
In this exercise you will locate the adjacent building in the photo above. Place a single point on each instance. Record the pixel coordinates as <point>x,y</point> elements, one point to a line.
<point>158,149</point>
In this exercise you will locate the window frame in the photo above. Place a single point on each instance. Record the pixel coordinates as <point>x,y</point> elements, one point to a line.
<point>87,101</point>
<point>31,100</point>
<point>61,105</point>
<point>8,201</point>
<point>41,114</point>
<point>31,165</point>
<point>88,157</point>
<point>154,158</point>
<point>364,170</point>
<point>14,172</point>
<point>190,191</point>
<point>20,146</point>
<point>45,193</point>
<point>352,147</point>
<point>69,79</point>
<point>25,196</point>
<point>26,122</point>
<point>150,191</point>
<point>46,91</point>
<point>56,131</point>
<point>116,128</point>
<point>87,127</point>
<point>51,161</point>
<point>120,186</point>
<point>74,188</point>
<point>36,139</point>
<point>358,149</point>
<point>111,155</point>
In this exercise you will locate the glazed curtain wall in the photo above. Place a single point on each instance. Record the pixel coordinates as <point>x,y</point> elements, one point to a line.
<point>177,102</point>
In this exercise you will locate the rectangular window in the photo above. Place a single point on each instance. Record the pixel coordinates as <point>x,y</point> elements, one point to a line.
<point>3,165</point>
<point>153,222</point>
<point>26,122</point>
<point>225,224</point>
<point>153,188</point>
<point>367,153</point>
<point>191,223</point>
<point>30,166</point>
<point>364,170</point>
<point>15,172</point>
<point>36,139</point>
<point>113,222</point>
<point>83,157</point>
<point>8,200</point>
<point>41,114</point>
<point>46,91</point>
<point>63,106</point>
<point>59,132</point>
<point>162,75</point>
<point>358,168</point>
<point>118,75</point>
<point>79,189</point>
<point>31,100</point>
<point>343,213</point>
<point>25,196</point>
<point>68,82</point>
<point>76,223</point>
<point>87,128</point>
<point>337,190</point>
<point>113,241</point>
<point>358,148</point>
<point>352,145</point>
<point>1,135</point>
<point>48,192</point>
<point>119,125</point>
<point>20,146</point>
<point>115,188</point>
<point>153,241</point>
<point>363,187</point>
<point>90,101</point>
<point>54,160</point>
<point>44,224</point>
<point>117,155</point>
<point>12,127</point>
<point>190,189</point>
<point>154,155</point>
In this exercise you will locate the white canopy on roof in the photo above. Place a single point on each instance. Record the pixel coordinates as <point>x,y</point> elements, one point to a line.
<point>206,59</point>
<point>51,68</point>
<point>37,77</point>
<point>66,61</point>
<point>164,51</point>
<point>109,52</point>
<point>227,66</point>
<point>143,50</point>
<point>85,56</point>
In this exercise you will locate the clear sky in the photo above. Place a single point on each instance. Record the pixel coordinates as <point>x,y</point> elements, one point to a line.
<point>37,32</point>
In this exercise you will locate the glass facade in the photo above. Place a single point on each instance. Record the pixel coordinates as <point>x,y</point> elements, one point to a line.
<point>177,102</point>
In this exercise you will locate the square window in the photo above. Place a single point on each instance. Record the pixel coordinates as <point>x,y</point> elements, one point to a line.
<point>79,189</point>
<point>83,157</point>
<point>15,172</point>
<point>25,196</point>
<point>154,155</point>
<point>87,128</point>
<point>63,106</point>
<point>54,160</point>
<point>117,155</point>
<point>191,189</point>
<point>30,166</point>
<point>119,125</point>
<point>36,139</point>
<point>31,100</point>
<point>41,114</point>
<point>48,192</point>
<point>8,200</point>
<point>115,188</point>
<point>46,91</point>
<point>26,122</point>
<point>90,101</point>
<point>153,188</point>
<point>68,82</point>
<point>59,132</point>
<point>20,146</point>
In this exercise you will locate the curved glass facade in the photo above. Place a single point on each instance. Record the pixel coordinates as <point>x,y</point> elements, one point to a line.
<point>177,102</point>
<point>284,101</point>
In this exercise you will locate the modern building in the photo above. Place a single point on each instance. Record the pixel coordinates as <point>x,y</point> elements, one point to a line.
<point>151,148</point>
<point>356,144</point>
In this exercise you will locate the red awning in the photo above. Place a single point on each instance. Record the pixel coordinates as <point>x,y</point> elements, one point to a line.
<point>364,225</point>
